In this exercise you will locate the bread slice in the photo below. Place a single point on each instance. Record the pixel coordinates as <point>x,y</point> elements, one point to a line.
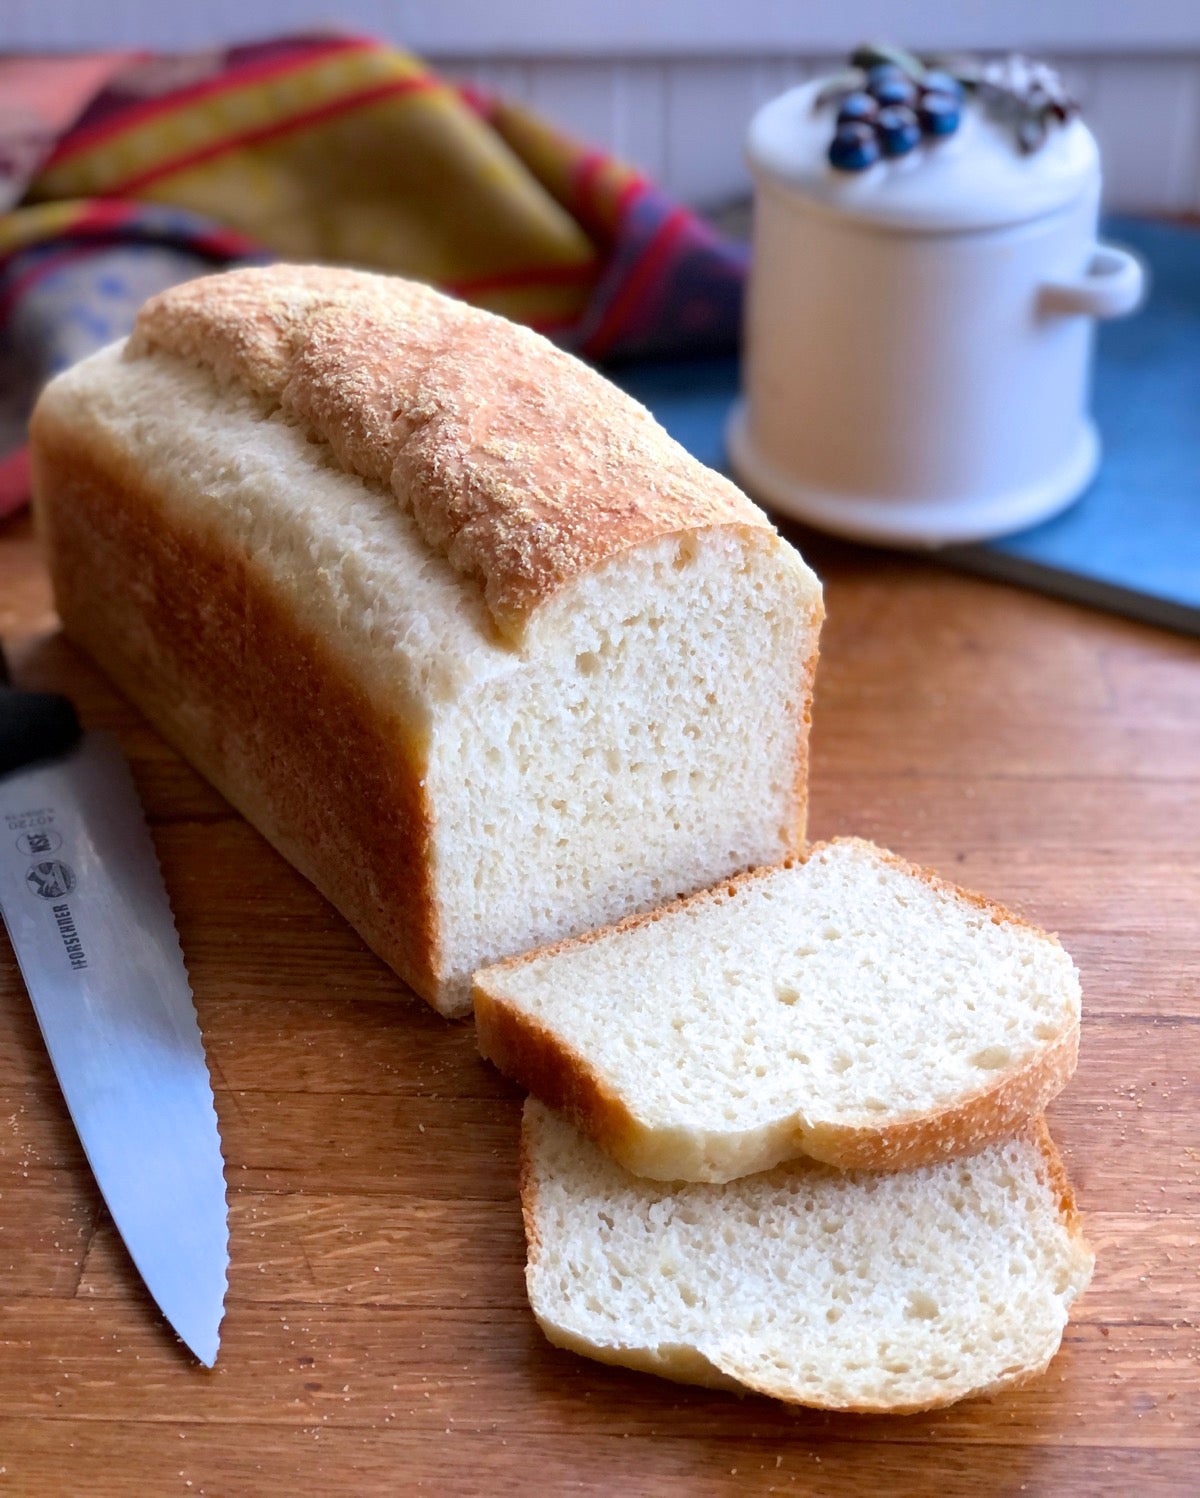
<point>444,613</point>
<point>843,1291</point>
<point>847,1006</point>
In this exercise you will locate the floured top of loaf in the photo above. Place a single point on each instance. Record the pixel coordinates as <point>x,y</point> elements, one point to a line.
<point>521,465</point>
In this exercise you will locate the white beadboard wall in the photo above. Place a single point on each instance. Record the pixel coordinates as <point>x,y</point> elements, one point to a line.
<point>681,119</point>
<point>670,84</point>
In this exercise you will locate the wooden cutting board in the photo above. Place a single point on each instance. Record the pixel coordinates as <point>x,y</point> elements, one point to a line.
<point>377,1338</point>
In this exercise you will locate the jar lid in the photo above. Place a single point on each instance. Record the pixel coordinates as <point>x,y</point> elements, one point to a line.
<point>976,178</point>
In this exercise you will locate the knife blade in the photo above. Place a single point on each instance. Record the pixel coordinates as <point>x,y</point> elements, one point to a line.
<point>83,899</point>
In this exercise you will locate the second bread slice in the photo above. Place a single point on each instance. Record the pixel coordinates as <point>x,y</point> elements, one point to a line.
<point>850,1292</point>
<point>849,1007</point>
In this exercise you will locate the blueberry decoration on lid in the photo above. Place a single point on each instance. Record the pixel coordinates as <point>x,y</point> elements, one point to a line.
<point>858,107</point>
<point>935,81</point>
<point>898,129</point>
<point>939,113</point>
<point>855,146</point>
<point>889,101</point>
<point>890,86</point>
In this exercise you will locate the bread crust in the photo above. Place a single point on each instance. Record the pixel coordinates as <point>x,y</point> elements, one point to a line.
<point>521,465</point>
<point>282,730</point>
<point>800,780</point>
<point>708,1368</point>
<point>534,1057</point>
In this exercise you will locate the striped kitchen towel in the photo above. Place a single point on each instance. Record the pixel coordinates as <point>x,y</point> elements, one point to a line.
<point>122,174</point>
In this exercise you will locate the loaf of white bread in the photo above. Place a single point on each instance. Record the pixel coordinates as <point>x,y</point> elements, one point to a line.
<point>859,1292</point>
<point>447,616</point>
<point>495,663</point>
<point>846,1006</point>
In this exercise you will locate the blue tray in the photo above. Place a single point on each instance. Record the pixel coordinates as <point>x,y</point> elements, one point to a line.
<point>1132,543</point>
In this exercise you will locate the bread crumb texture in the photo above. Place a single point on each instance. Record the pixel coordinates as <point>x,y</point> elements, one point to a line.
<point>843,1291</point>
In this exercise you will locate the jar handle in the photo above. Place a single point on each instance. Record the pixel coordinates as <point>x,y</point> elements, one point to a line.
<point>1112,283</point>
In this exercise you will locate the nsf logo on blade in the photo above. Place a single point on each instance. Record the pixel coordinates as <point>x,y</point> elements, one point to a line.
<point>52,879</point>
<point>44,840</point>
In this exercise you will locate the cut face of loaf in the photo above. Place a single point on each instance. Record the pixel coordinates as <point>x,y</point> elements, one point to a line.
<point>846,1292</point>
<point>446,616</point>
<point>849,1007</point>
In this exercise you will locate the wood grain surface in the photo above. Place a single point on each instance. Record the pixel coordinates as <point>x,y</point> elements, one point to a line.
<point>377,1338</point>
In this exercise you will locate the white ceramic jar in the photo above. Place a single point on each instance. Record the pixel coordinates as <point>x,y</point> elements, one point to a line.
<point>918,335</point>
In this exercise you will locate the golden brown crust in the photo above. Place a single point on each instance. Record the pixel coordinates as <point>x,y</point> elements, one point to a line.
<point>524,467</point>
<point>538,1060</point>
<point>800,781</point>
<point>1058,1181</point>
<point>994,1112</point>
<point>280,730</point>
<point>527,1190</point>
<point>553,1072</point>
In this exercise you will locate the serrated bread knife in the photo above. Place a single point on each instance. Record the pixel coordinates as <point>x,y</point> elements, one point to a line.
<point>89,919</point>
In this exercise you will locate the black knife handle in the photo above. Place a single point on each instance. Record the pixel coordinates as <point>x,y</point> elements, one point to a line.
<point>33,725</point>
